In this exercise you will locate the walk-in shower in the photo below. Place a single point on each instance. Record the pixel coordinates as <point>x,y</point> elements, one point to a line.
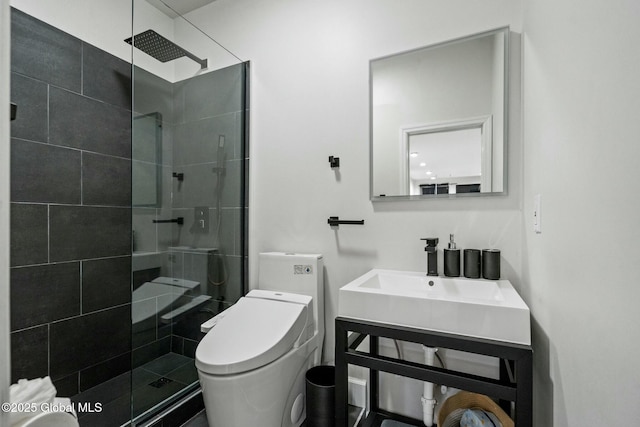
<point>128,202</point>
<point>188,198</point>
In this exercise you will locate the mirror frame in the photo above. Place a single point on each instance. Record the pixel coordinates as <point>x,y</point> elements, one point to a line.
<point>505,128</point>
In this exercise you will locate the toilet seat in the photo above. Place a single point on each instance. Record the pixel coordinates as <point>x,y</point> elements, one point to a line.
<point>253,333</point>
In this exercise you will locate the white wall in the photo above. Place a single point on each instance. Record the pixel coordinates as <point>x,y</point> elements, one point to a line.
<point>581,276</point>
<point>5,163</point>
<point>309,89</point>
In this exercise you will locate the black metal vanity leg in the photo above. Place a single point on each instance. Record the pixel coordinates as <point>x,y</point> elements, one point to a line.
<point>342,381</point>
<point>505,377</point>
<point>374,376</point>
<point>524,390</point>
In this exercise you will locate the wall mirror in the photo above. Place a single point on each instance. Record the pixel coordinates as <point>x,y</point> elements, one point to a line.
<point>439,119</point>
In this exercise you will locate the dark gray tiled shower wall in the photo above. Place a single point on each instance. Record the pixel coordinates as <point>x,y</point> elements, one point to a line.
<point>71,209</point>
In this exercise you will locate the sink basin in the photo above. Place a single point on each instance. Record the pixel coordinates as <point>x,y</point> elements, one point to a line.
<point>489,309</point>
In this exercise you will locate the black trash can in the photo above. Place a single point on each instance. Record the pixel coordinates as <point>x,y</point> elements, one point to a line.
<point>321,390</point>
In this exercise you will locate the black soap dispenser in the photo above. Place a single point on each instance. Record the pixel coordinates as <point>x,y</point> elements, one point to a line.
<point>452,259</point>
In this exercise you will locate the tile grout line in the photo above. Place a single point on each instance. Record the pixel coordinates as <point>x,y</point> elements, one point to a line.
<point>49,349</point>
<point>81,272</point>
<point>48,113</point>
<point>81,178</point>
<point>73,205</point>
<point>70,261</point>
<point>48,234</point>
<point>64,319</point>
<point>65,147</point>
<point>82,67</point>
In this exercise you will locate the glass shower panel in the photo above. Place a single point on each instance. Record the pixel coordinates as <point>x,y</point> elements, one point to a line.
<point>188,190</point>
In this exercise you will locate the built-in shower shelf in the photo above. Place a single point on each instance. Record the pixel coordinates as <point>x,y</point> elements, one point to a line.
<point>183,310</point>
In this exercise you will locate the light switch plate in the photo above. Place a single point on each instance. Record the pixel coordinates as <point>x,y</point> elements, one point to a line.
<point>537,214</point>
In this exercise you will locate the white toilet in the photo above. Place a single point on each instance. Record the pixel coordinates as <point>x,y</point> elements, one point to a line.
<point>253,360</point>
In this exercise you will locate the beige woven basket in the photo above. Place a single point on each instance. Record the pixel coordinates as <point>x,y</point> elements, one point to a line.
<point>468,400</point>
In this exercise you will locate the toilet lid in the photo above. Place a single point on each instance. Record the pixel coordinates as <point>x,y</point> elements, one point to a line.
<point>252,334</point>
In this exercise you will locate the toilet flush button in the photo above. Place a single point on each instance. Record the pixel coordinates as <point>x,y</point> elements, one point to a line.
<point>302,269</point>
<point>297,408</point>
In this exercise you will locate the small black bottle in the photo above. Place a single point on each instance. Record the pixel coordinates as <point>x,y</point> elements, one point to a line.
<point>452,259</point>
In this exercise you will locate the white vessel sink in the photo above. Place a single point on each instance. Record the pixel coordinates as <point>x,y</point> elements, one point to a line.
<point>480,308</point>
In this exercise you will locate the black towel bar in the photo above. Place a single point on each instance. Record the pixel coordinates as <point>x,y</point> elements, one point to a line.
<point>335,221</point>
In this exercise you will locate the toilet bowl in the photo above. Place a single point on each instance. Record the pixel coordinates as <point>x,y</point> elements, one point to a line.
<point>253,359</point>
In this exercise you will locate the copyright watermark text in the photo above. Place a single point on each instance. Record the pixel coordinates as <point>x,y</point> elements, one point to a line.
<point>26,407</point>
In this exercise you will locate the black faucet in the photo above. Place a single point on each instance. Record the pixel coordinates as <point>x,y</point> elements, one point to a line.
<point>432,255</point>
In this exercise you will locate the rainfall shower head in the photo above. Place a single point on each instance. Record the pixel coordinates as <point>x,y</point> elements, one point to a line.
<point>160,48</point>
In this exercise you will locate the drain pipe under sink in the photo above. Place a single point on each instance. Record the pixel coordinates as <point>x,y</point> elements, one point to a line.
<point>428,402</point>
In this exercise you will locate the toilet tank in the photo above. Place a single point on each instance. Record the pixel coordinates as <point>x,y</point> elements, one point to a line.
<point>297,274</point>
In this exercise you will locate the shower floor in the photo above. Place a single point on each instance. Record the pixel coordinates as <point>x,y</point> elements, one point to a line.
<point>152,383</point>
<point>160,379</point>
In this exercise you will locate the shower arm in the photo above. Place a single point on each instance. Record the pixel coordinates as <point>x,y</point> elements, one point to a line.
<point>203,62</point>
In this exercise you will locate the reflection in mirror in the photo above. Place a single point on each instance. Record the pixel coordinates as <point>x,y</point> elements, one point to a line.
<point>146,162</point>
<point>438,119</point>
<point>449,158</point>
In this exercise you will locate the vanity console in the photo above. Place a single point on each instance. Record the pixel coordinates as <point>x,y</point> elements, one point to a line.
<point>514,384</point>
